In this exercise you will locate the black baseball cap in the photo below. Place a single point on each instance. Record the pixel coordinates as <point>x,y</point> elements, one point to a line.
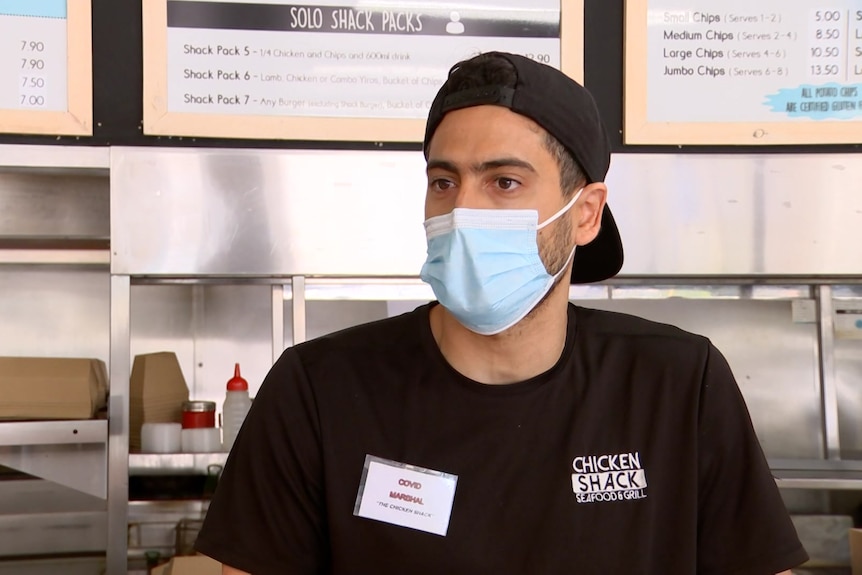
<point>567,111</point>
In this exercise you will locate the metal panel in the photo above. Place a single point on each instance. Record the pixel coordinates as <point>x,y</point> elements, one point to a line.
<point>234,324</point>
<point>51,313</point>
<point>174,463</point>
<point>266,212</point>
<point>54,566</point>
<point>826,363</point>
<point>277,322</point>
<point>41,518</point>
<point>848,374</point>
<point>772,358</point>
<point>739,215</point>
<point>325,317</point>
<point>52,533</point>
<point>223,325</point>
<point>237,328</point>
<point>297,293</point>
<point>350,213</point>
<point>53,432</point>
<point>38,206</point>
<point>81,467</point>
<point>19,496</point>
<point>118,425</point>
<point>71,306</point>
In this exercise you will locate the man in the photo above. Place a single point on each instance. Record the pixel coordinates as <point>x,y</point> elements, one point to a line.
<point>504,430</point>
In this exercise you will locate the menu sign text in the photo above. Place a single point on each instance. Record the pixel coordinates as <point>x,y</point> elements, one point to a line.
<point>785,72</point>
<point>45,66</point>
<point>228,59</point>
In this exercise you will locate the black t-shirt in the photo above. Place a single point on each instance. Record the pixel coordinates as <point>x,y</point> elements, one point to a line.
<point>634,454</point>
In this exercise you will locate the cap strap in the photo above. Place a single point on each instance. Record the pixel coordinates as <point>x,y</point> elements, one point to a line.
<point>497,95</point>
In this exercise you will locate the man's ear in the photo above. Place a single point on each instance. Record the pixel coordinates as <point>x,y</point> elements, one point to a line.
<point>589,216</point>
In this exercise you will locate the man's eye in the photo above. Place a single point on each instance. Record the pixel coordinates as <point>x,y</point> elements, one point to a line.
<point>507,183</point>
<point>441,184</point>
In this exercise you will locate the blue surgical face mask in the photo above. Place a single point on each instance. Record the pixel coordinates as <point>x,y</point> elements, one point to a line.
<point>484,265</point>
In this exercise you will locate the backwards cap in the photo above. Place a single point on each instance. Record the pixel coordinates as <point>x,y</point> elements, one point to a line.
<point>567,111</point>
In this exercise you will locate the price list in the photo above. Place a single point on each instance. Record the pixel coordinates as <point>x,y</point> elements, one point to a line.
<point>355,60</point>
<point>754,61</point>
<point>33,55</point>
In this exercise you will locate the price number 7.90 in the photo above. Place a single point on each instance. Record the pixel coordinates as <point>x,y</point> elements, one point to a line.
<point>32,64</point>
<point>32,46</point>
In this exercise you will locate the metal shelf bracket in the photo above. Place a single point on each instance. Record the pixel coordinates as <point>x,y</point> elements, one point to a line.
<point>70,453</point>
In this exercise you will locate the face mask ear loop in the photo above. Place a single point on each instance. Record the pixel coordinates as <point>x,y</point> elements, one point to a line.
<point>564,209</point>
<point>566,265</point>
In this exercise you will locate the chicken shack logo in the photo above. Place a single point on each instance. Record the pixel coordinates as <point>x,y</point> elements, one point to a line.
<point>618,477</point>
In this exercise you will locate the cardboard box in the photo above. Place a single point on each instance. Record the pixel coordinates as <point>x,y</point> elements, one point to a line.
<point>825,539</point>
<point>157,390</point>
<point>856,551</point>
<point>193,565</point>
<point>52,388</point>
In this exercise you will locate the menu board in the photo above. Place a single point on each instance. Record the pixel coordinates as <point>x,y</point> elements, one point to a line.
<point>743,72</point>
<point>359,70</point>
<point>46,67</point>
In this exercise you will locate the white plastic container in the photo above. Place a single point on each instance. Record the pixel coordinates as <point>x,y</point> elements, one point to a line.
<point>201,440</point>
<point>160,437</point>
<point>236,405</point>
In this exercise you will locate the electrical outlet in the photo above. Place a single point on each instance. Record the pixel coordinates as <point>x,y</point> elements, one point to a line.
<point>804,311</point>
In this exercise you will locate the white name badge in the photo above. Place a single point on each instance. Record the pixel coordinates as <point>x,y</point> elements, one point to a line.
<point>405,495</point>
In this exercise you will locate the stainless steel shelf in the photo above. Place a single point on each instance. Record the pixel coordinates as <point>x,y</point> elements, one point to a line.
<point>847,292</point>
<point>364,289</point>
<point>413,289</point>
<point>16,433</point>
<point>711,292</point>
<point>69,453</point>
<point>176,463</point>
<point>835,474</point>
<point>818,479</point>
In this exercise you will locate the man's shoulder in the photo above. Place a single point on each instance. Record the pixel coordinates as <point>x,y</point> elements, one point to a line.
<point>619,344</point>
<point>615,327</point>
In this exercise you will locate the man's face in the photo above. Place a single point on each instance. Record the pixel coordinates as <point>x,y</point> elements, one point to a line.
<point>489,157</point>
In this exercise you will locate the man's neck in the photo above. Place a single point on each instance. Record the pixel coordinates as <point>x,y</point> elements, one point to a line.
<point>526,350</point>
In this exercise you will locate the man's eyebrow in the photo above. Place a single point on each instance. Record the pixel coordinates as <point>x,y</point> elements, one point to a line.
<point>481,167</point>
<point>503,163</point>
<point>441,165</point>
